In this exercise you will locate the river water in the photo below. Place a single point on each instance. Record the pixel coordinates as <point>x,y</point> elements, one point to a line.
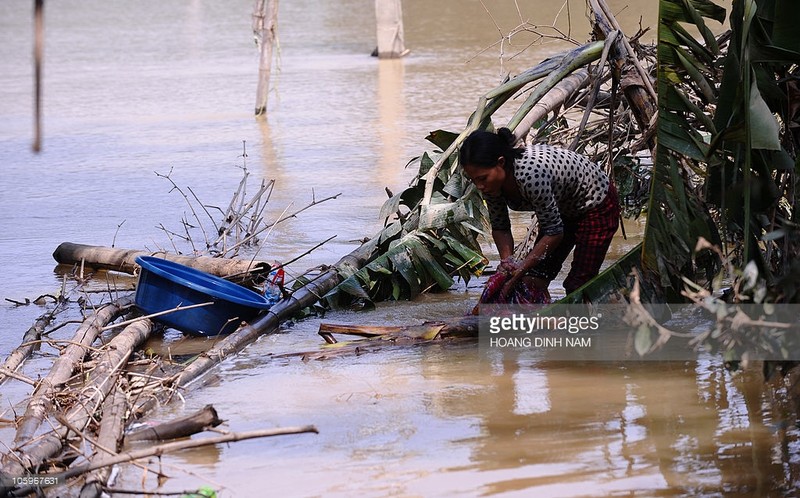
<point>132,89</point>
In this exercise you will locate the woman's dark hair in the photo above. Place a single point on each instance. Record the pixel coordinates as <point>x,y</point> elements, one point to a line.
<point>482,148</point>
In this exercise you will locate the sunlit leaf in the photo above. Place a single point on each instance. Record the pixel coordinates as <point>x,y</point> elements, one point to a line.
<point>764,128</point>
<point>642,341</point>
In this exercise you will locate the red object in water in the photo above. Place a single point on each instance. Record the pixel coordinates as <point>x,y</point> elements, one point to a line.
<point>523,293</point>
<point>277,277</point>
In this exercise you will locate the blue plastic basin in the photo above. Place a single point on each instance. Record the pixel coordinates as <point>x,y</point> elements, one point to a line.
<point>165,285</point>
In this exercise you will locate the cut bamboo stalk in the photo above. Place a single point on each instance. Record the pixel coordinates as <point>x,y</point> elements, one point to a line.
<point>27,347</point>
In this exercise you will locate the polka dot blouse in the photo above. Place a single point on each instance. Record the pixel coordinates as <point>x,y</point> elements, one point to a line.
<point>554,183</point>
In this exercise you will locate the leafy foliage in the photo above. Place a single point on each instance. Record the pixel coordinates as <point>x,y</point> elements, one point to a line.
<point>728,146</point>
<point>754,178</point>
<point>727,153</point>
<point>421,249</point>
<point>677,214</point>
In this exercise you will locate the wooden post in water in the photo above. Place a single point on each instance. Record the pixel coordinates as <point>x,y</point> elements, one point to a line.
<point>38,49</point>
<point>265,19</point>
<point>391,43</point>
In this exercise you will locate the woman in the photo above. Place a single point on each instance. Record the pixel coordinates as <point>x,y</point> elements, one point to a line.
<point>574,201</point>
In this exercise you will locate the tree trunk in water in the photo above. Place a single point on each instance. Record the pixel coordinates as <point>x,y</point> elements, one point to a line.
<point>265,20</point>
<point>182,427</point>
<point>391,43</point>
<point>123,260</point>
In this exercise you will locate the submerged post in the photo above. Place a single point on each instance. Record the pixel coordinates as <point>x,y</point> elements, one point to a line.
<point>389,14</point>
<point>265,18</point>
<point>38,49</point>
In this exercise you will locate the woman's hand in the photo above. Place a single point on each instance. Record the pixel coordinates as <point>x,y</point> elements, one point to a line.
<point>509,265</point>
<point>516,271</point>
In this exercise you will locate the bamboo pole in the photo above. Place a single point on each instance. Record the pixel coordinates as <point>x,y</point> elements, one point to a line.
<point>182,427</point>
<point>31,453</point>
<point>41,399</point>
<point>29,343</point>
<point>265,19</point>
<point>108,439</point>
<point>123,260</point>
<point>38,51</point>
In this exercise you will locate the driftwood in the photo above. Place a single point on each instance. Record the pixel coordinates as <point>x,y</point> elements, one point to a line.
<point>108,439</point>
<point>376,337</point>
<point>284,309</point>
<point>182,427</point>
<point>31,453</point>
<point>29,343</point>
<point>123,260</point>
<point>166,448</point>
<point>42,398</point>
<point>464,326</point>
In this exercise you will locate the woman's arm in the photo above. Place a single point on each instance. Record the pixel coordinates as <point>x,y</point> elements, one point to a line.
<point>504,242</point>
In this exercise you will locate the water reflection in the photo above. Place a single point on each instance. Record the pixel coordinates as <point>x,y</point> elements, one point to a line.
<point>391,119</point>
<point>561,429</point>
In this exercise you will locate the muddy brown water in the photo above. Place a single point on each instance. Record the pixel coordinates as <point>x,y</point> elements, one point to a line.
<point>168,86</point>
